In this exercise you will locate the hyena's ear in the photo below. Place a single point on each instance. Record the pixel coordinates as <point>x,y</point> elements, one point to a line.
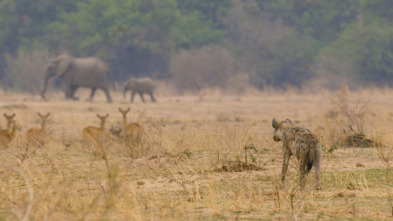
<point>288,121</point>
<point>275,123</point>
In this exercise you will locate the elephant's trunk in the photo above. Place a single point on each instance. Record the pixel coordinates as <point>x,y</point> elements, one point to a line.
<point>124,92</point>
<point>45,87</point>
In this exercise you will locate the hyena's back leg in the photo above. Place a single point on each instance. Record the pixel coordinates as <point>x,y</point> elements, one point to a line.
<point>285,164</point>
<point>303,171</point>
<point>317,165</point>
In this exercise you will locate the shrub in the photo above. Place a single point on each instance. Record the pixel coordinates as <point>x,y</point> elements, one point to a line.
<point>208,67</point>
<point>25,72</point>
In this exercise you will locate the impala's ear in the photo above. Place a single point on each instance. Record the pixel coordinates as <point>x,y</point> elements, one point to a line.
<point>98,115</point>
<point>39,114</point>
<point>275,123</point>
<point>13,115</point>
<point>128,109</point>
<point>107,115</point>
<point>47,115</point>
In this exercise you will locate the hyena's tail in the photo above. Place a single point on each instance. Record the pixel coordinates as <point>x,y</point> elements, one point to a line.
<point>312,157</point>
<point>309,166</point>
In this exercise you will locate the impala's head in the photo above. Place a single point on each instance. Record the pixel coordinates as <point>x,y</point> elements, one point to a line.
<point>103,118</point>
<point>9,119</point>
<point>44,118</point>
<point>124,112</point>
<point>279,128</point>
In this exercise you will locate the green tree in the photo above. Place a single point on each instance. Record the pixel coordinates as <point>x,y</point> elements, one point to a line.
<point>361,55</point>
<point>22,25</point>
<point>210,10</point>
<point>323,20</point>
<point>270,51</point>
<point>133,35</point>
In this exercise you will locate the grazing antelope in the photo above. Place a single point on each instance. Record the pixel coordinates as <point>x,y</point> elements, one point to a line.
<point>39,136</point>
<point>301,143</point>
<point>132,130</point>
<point>6,136</point>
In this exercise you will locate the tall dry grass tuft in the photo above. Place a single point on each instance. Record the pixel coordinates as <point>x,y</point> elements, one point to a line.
<point>344,124</point>
<point>385,154</point>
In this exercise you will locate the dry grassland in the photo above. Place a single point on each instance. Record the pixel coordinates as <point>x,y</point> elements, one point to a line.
<point>210,159</point>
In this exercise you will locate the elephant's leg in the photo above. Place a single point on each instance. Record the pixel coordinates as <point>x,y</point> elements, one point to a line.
<point>67,92</point>
<point>73,90</point>
<point>143,99</point>
<point>132,96</point>
<point>93,91</point>
<point>108,96</point>
<point>153,99</point>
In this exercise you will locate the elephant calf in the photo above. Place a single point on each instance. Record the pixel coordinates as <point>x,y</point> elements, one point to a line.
<point>141,86</point>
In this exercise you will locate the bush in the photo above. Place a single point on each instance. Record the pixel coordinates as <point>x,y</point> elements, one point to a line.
<point>25,72</point>
<point>272,53</point>
<point>208,67</point>
<point>361,55</point>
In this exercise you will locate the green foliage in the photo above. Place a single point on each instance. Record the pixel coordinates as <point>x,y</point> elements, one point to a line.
<point>274,42</point>
<point>24,20</point>
<point>377,10</point>
<point>366,54</point>
<point>191,31</point>
<point>274,54</point>
<point>323,20</point>
<point>130,29</point>
<point>211,10</point>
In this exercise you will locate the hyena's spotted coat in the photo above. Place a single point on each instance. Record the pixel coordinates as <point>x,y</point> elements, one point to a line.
<point>301,143</point>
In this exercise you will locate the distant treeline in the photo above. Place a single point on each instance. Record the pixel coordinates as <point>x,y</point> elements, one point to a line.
<point>205,43</point>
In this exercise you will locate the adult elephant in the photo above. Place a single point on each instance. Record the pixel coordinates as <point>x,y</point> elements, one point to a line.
<point>140,86</point>
<point>78,72</point>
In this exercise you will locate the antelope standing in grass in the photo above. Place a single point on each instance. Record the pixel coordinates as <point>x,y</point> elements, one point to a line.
<point>7,135</point>
<point>132,130</point>
<point>95,133</point>
<point>39,136</point>
<point>9,119</point>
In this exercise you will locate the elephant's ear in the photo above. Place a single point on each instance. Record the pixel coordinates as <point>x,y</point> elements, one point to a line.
<point>63,63</point>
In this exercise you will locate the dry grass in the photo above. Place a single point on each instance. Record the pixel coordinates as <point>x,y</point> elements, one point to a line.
<point>176,172</point>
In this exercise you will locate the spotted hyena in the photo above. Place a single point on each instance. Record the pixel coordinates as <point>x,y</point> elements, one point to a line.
<point>301,143</point>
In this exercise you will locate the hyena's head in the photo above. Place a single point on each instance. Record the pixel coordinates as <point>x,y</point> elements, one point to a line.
<point>279,128</point>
